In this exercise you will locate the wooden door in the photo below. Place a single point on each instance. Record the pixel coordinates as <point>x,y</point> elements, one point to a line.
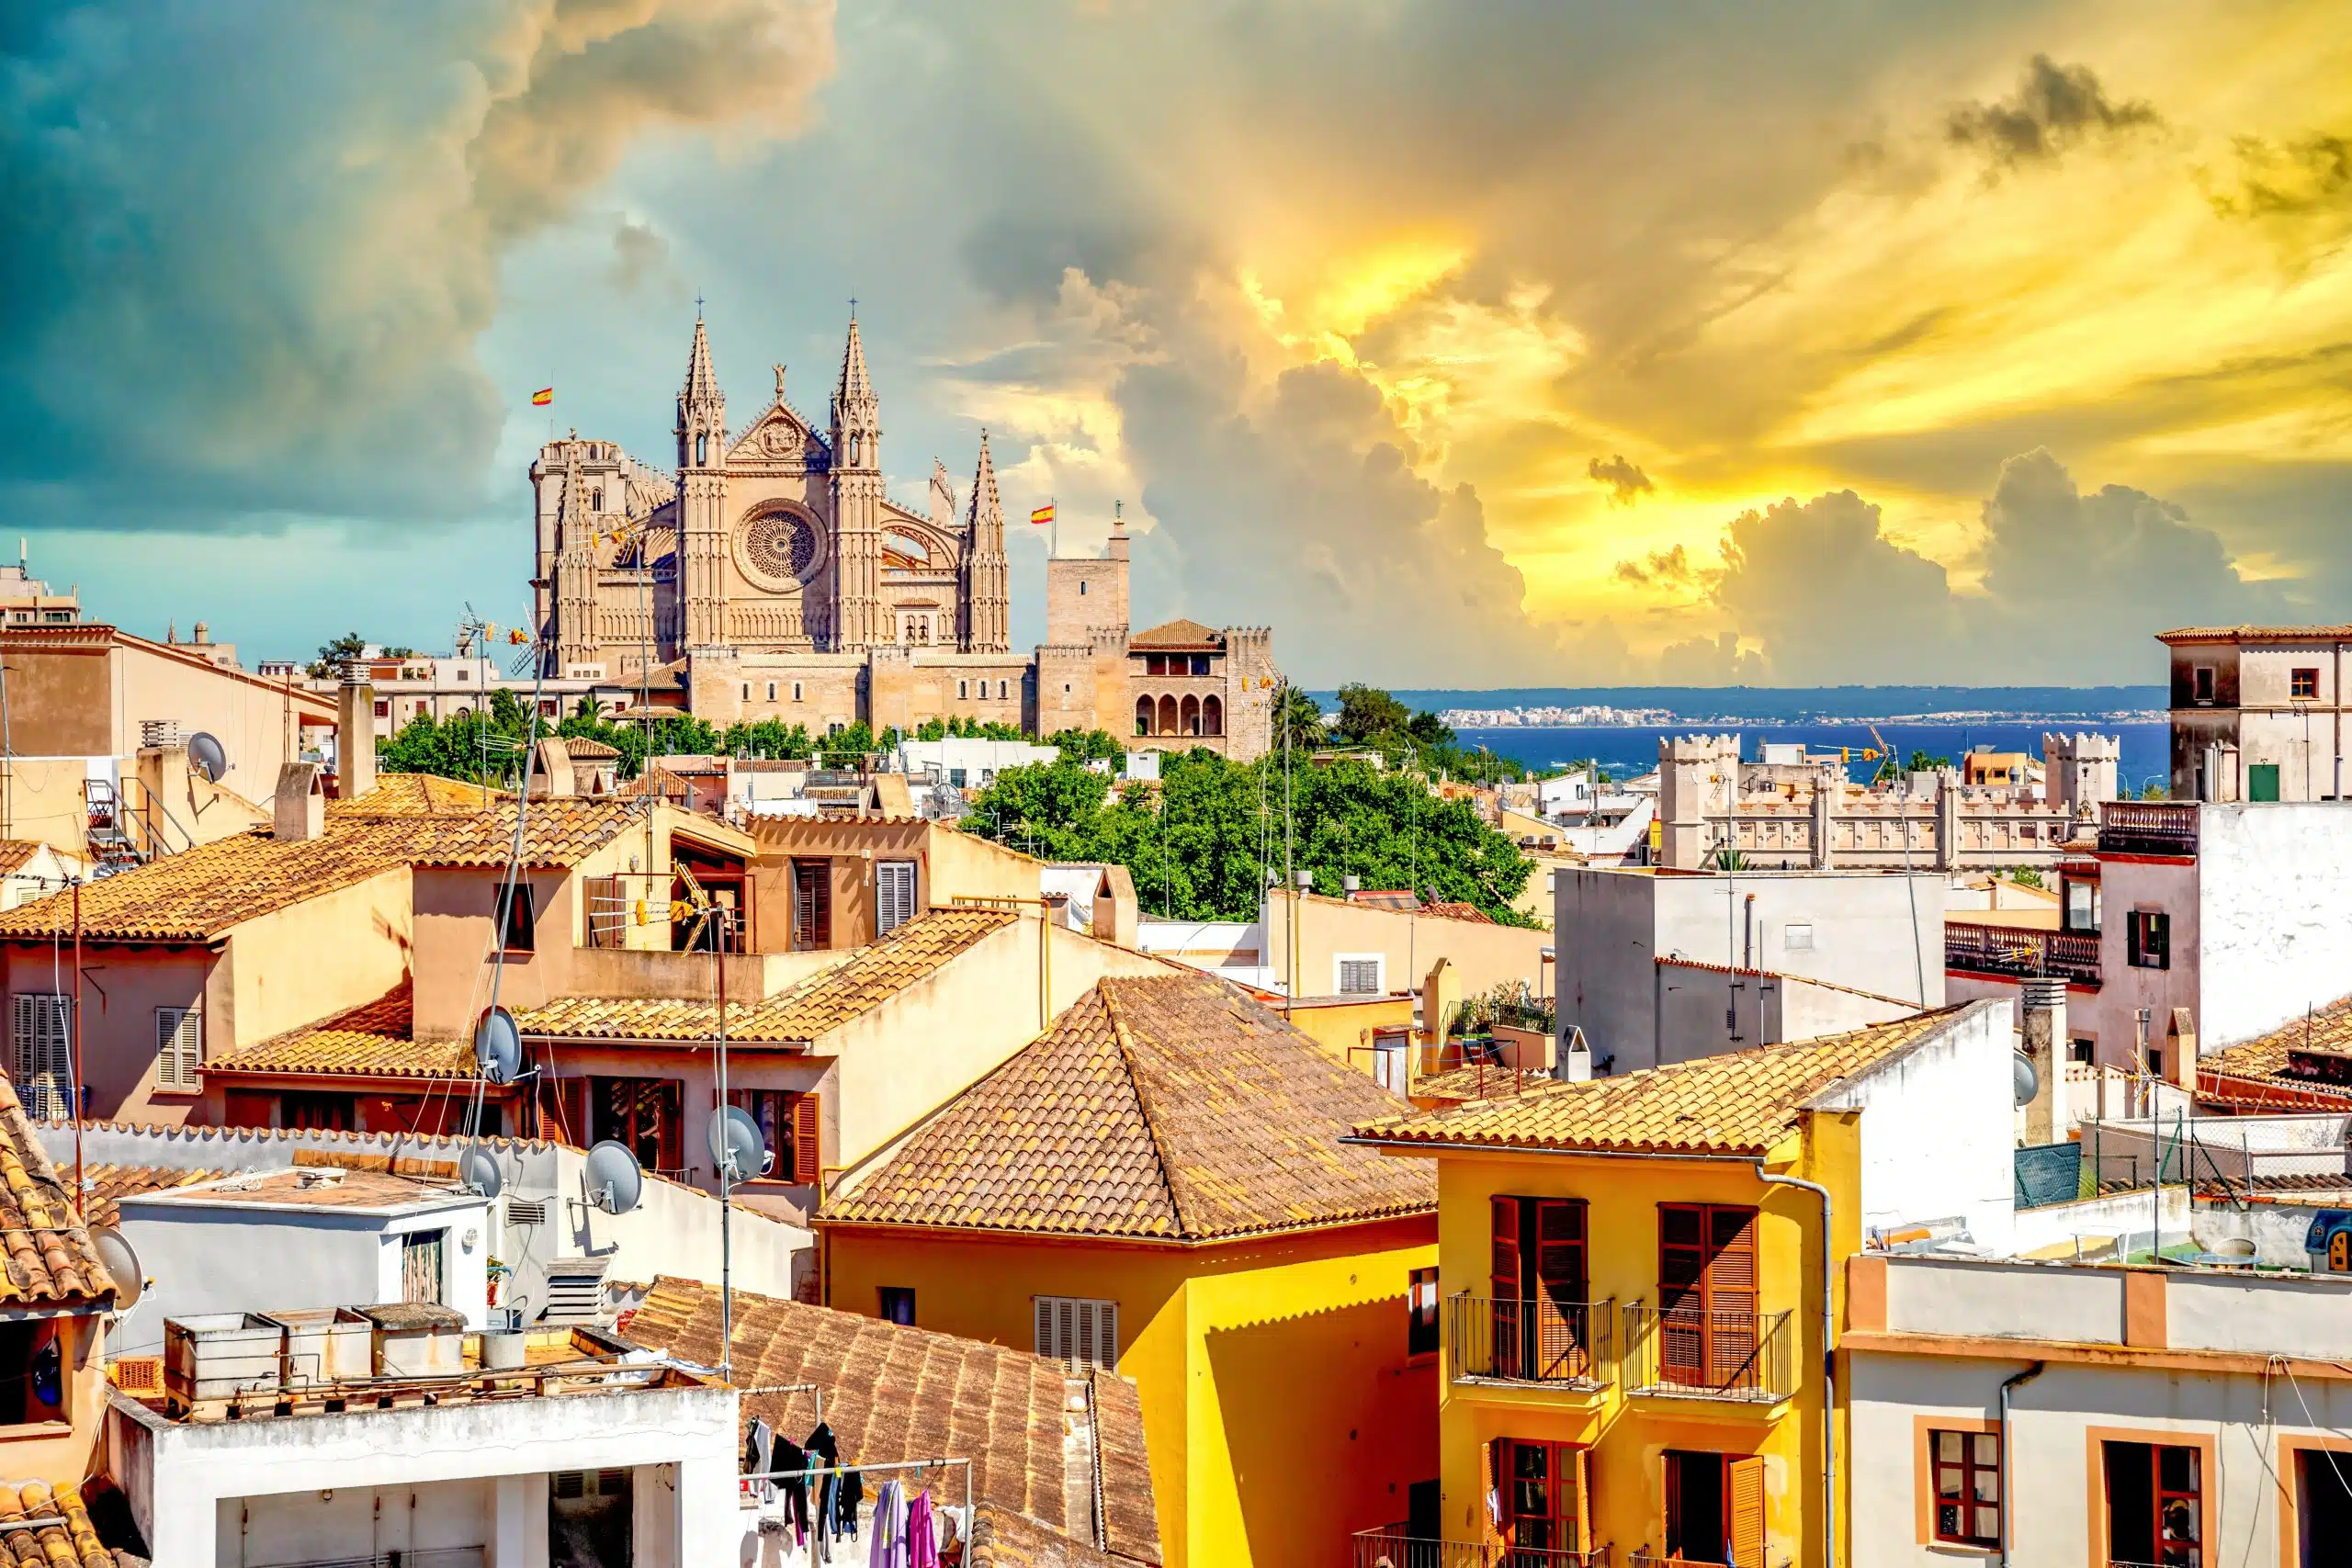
<point>1507,1282</point>
<point>812,904</point>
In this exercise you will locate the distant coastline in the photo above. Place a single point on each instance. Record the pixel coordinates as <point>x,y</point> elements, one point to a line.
<point>1575,707</point>
<point>1551,716</point>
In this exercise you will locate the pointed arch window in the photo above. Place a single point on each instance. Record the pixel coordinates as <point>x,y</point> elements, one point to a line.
<point>702,450</point>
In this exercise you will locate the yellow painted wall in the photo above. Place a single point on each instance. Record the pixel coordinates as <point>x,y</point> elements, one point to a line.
<point>1278,1404</point>
<point>1628,1436</point>
<point>1345,1028</point>
<point>1484,956</point>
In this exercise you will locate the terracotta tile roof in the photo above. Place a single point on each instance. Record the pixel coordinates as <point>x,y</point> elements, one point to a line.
<point>373,1040</point>
<point>1170,1107</point>
<point>17,853</point>
<point>316,1187</point>
<point>2249,1072</point>
<point>109,1182</point>
<point>864,980</point>
<point>1740,1103</point>
<point>66,1538</point>
<point>893,1394</point>
<point>49,1258</point>
<point>1456,911</point>
<point>1178,633</point>
<point>2255,634</point>
<point>200,894</point>
<point>587,748</point>
<point>420,795</point>
<point>1476,1081</point>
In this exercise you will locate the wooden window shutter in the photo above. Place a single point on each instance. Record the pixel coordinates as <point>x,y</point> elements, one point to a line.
<point>563,1110</point>
<point>894,895</point>
<point>179,1048</point>
<point>43,1027</point>
<point>806,1156</point>
<point>1078,1332</point>
<point>1506,1276</point>
<point>1682,1291</point>
<point>1746,1504</point>
<point>1560,1329</point>
<point>1731,1290</point>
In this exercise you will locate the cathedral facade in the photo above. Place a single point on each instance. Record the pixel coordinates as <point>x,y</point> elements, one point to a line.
<point>769,574</point>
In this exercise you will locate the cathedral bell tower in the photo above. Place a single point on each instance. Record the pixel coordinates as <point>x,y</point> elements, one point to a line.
<point>857,502</point>
<point>985,594</point>
<point>702,498</point>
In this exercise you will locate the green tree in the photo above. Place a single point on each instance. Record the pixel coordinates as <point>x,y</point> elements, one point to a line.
<point>334,655</point>
<point>1367,712</point>
<point>1301,717</point>
<point>1087,746</point>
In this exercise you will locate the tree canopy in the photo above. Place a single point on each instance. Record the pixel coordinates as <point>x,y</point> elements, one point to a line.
<point>1200,845</point>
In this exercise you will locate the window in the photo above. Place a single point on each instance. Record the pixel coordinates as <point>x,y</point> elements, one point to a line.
<point>787,1125</point>
<point>2085,1050</point>
<point>894,895</point>
<point>2155,1505</point>
<point>2303,685</point>
<point>1540,1489</point>
<point>1537,1252</point>
<point>41,1035</point>
<point>1360,974</point>
<point>318,1112</point>
<point>33,1373</point>
<point>897,1305</point>
<point>1707,1293</point>
<point>421,1266</point>
<point>2201,682</point>
<point>2082,906</point>
<point>1082,590</point>
<point>795,691</point>
<point>522,930</point>
<point>1967,1475</point>
<point>643,1113</point>
<point>384,708</point>
<point>2148,940</point>
<point>747,690</point>
<point>1421,1307</point>
<point>2323,1510</point>
<point>1796,937</point>
<point>1200,664</point>
<point>771,691</point>
<point>179,1048</point>
<point>1002,687</point>
<point>1078,1332</point>
<point>963,691</point>
<point>1714,1508</point>
<point>812,904</point>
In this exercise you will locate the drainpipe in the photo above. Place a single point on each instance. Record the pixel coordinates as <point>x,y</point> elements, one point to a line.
<point>2026,1376</point>
<point>2336,700</point>
<point>1828,1368</point>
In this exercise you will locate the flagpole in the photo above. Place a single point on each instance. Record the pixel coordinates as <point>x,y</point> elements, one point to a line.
<point>1054,548</point>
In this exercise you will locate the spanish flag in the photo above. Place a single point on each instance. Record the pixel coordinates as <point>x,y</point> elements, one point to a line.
<point>543,397</point>
<point>1043,515</point>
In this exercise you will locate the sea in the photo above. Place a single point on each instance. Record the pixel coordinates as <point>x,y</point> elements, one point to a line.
<point>1631,751</point>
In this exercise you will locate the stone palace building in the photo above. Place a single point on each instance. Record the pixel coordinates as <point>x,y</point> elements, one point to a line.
<point>771,576</point>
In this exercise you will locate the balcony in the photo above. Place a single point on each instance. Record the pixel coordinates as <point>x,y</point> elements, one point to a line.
<point>2022,951</point>
<point>1542,1343</point>
<point>2148,827</point>
<point>1741,1357</point>
<point>1391,1547</point>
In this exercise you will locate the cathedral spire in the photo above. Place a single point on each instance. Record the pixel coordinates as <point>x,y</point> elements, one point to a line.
<point>987,579</point>
<point>854,379</point>
<point>987,511</point>
<point>702,386</point>
<point>702,408</point>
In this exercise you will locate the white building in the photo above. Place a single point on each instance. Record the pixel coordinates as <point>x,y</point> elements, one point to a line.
<point>1870,931</point>
<point>2049,1415</point>
<point>618,1460</point>
<point>965,762</point>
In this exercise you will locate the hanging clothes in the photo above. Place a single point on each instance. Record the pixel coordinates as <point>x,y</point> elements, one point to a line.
<point>759,1445</point>
<point>788,1456</point>
<point>820,1443</point>
<point>886,1534</point>
<point>923,1533</point>
<point>847,1499</point>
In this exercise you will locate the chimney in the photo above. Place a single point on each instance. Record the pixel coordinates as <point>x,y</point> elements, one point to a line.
<point>301,806</point>
<point>555,775</point>
<point>355,734</point>
<point>2043,1018</point>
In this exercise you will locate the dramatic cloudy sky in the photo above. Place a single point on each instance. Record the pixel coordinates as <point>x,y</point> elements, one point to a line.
<point>1473,344</point>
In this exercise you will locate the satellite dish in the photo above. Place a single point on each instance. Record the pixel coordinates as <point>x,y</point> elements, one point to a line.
<point>615,1183</point>
<point>208,756</point>
<point>498,1046</point>
<point>2027,1077</point>
<point>736,1146</point>
<point>477,1168</point>
<point>122,1264</point>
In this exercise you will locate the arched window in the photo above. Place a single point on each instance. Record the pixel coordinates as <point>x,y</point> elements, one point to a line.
<point>1142,715</point>
<point>1190,723</point>
<point>1212,716</point>
<point>1168,716</point>
<point>702,450</point>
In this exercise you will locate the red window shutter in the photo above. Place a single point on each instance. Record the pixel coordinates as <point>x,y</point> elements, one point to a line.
<point>1505,1275</point>
<point>1560,1328</point>
<point>1681,1292</point>
<point>805,1156</point>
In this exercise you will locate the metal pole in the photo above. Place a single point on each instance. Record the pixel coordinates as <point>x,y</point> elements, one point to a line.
<point>725,1184</point>
<point>74,1053</point>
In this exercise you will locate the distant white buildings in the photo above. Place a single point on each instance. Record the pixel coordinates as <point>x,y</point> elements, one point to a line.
<point>1597,715</point>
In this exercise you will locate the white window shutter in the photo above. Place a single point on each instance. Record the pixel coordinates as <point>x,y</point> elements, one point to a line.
<point>1078,1332</point>
<point>894,893</point>
<point>179,1047</point>
<point>42,1034</point>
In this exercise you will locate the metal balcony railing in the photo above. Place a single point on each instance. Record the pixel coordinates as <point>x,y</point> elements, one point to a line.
<point>2148,827</point>
<point>2022,951</point>
<point>1745,1357</point>
<point>1645,1560</point>
<point>1391,1547</point>
<point>1559,1344</point>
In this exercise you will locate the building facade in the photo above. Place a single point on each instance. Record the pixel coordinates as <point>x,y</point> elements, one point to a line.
<point>2258,712</point>
<point>770,575</point>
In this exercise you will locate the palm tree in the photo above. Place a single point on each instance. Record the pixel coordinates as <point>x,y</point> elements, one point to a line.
<point>1302,714</point>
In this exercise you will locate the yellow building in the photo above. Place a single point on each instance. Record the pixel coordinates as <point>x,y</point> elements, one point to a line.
<point>1157,1186</point>
<point>1632,1278</point>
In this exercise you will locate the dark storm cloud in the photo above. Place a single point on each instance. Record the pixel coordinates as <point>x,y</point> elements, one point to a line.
<point>1625,480</point>
<point>1660,568</point>
<point>253,246</point>
<point>2054,107</point>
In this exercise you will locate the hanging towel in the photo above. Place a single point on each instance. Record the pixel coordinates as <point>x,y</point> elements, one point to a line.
<point>758,1448</point>
<point>882,1538</point>
<point>923,1533</point>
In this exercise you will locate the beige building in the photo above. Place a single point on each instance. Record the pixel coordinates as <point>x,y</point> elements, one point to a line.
<point>771,576</point>
<point>2258,712</point>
